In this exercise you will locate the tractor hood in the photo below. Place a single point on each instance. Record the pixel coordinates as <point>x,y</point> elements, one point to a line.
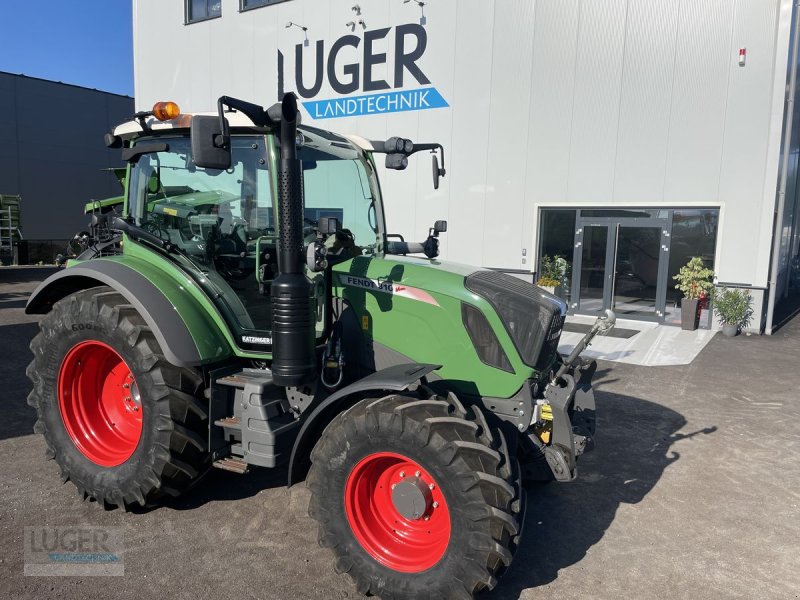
<point>417,278</point>
<point>409,277</point>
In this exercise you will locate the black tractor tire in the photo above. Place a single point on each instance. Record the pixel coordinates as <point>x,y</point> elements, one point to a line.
<point>459,454</point>
<point>170,453</point>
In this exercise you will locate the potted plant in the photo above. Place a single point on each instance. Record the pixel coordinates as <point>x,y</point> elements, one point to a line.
<point>733,308</point>
<point>554,274</point>
<point>694,280</point>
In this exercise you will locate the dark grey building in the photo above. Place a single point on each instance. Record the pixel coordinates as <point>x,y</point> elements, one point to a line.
<point>52,152</point>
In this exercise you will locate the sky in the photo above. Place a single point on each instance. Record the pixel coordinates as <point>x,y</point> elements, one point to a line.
<point>84,42</point>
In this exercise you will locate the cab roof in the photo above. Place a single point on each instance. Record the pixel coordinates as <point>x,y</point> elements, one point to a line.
<point>131,129</point>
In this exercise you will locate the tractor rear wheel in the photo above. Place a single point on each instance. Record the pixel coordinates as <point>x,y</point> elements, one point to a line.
<point>416,498</point>
<point>123,424</point>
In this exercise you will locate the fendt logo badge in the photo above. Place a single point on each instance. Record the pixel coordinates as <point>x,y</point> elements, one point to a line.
<point>410,42</point>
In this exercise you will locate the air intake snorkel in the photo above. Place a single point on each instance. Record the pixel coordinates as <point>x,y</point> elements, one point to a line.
<point>293,310</point>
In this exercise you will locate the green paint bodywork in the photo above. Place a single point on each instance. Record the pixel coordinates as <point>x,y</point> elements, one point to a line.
<point>426,332</point>
<point>192,305</point>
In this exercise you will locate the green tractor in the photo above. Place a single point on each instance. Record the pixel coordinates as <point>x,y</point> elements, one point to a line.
<point>250,309</point>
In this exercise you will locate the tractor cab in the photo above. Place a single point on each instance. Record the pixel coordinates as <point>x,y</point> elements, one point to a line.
<point>222,224</point>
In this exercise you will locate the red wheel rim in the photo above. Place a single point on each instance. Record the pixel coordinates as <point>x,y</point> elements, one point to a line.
<point>409,545</point>
<point>100,403</point>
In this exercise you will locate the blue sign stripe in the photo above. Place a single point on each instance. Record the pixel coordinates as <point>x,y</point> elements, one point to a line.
<point>375,104</point>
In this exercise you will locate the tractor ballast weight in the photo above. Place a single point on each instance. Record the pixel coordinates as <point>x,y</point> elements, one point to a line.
<point>247,307</point>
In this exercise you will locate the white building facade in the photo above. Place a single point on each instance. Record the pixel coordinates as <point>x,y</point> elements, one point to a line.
<point>624,136</point>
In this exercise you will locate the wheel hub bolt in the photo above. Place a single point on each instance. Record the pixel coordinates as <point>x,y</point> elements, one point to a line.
<point>435,505</point>
<point>417,473</point>
<point>402,473</point>
<point>431,486</point>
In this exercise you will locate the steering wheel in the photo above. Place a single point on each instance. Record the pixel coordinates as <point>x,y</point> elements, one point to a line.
<point>153,227</point>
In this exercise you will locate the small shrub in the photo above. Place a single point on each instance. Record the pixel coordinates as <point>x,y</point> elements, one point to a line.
<point>554,271</point>
<point>733,307</point>
<point>694,279</point>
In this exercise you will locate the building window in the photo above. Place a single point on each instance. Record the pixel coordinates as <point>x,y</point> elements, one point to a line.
<point>201,10</point>
<point>557,244</point>
<point>694,233</point>
<point>251,4</point>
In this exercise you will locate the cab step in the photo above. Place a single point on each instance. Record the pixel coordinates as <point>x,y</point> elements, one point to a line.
<point>251,419</point>
<point>233,423</point>
<point>232,464</point>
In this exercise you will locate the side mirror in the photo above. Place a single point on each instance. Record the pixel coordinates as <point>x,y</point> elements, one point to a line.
<point>328,225</point>
<point>209,148</point>
<point>439,227</point>
<point>437,173</point>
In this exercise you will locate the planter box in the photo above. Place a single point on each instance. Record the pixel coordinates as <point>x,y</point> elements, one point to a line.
<point>689,314</point>
<point>730,330</point>
<point>556,290</point>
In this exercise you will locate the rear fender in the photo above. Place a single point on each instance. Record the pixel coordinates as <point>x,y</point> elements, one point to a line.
<point>396,379</point>
<point>185,331</point>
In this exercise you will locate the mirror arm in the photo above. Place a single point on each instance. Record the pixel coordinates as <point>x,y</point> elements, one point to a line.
<point>224,139</point>
<point>256,113</point>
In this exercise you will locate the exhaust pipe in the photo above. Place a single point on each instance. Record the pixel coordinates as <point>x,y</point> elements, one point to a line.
<point>293,310</point>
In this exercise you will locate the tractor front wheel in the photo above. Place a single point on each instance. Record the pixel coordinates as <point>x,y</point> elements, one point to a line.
<point>416,498</point>
<point>123,424</point>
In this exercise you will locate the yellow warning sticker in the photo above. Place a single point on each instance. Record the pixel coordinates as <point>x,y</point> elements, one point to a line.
<point>365,322</point>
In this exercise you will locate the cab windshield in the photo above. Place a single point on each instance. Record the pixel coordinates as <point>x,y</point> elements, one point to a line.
<point>179,202</point>
<point>339,182</point>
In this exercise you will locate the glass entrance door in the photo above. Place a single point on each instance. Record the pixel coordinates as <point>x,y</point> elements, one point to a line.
<point>637,272</point>
<point>620,264</point>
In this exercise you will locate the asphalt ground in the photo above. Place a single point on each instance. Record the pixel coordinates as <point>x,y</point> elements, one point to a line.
<point>692,491</point>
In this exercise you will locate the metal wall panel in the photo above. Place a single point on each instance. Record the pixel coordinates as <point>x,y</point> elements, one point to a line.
<point>699,96</point>
<point>595,116</point>
<point>747,122</point>
<point>555,42</point>
<point>510,82</point>
<point>470,108</point>
<point>55,164</point>
<point>649,65</point>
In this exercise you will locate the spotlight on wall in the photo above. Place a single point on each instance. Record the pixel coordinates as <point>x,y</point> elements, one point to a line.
<point>305,31</point>
<point>422,20</point>
<point>352,24</point>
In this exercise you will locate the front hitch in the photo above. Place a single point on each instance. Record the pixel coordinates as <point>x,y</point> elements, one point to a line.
<point>569,403</point>
<point>573,413</point>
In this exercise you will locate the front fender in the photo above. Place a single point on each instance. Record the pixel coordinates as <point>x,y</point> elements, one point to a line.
<point>185,331</point>
<point>396,378</point>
